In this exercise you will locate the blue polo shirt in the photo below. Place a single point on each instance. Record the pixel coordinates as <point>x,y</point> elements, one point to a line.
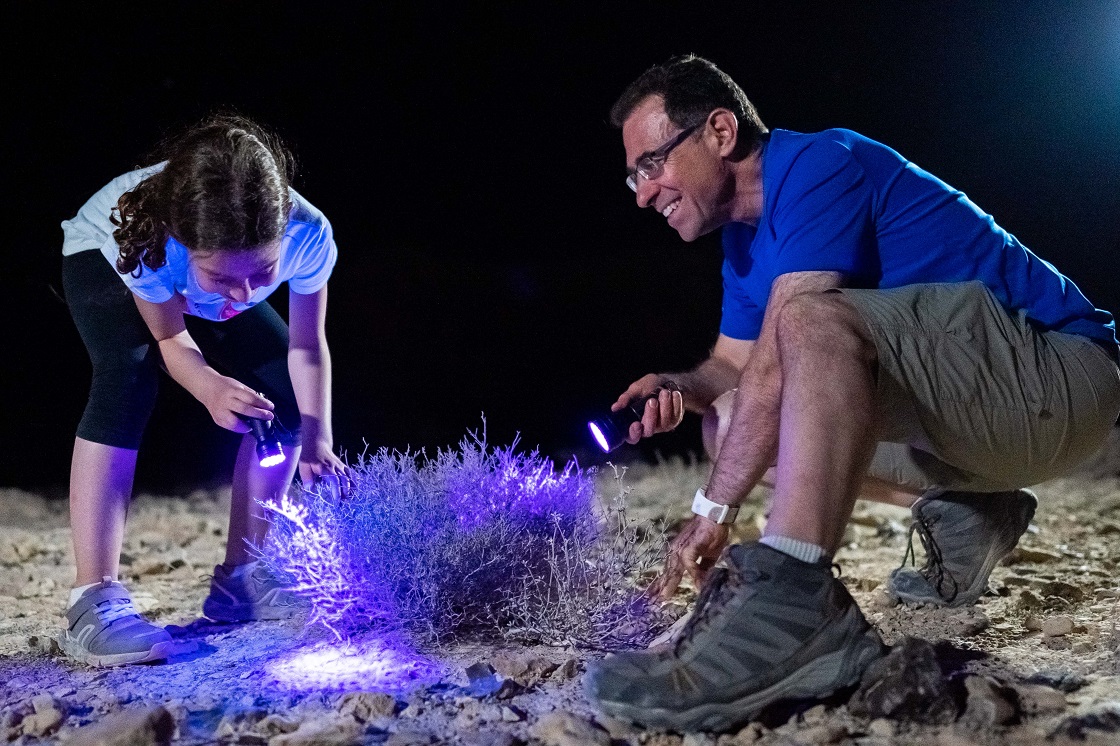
<point>838,201</point>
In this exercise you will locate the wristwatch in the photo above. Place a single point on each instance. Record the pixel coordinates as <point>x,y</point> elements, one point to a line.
<point>715,512</point>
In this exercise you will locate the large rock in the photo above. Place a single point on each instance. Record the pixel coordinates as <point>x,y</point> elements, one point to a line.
<point>565,729</point>
<point>522,666</point>
<point>46,716</point>
<point>366,706</point>
<point>150,727</point>
<point>906,684</point>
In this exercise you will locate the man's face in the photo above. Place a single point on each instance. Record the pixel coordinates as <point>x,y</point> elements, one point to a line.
<point>687,192</point>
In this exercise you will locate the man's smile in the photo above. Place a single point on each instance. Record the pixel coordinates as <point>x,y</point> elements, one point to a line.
<point>669,208</point>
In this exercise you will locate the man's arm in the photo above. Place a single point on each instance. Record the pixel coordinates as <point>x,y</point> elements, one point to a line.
<point>751,444</point>
<point>698,388</point>
<point>223,397</point>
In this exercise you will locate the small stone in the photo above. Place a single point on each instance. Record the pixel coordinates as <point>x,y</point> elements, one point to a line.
<point>327,731</point>
<point>1029,601</point>
<point>815,715</point>
<point>1068,591</point>
<point>565,729</point>
<point>825,733</point>
<point>414,710</point>
<point>1057,626</point>
<point>750,733</point>
<point>1104,718</point>
<point>512,714</point>
<point>523,667</point>
<point>274,725</point>
<point>881,601</point>
<point>1033,623</point>
<point>698,739</point>
<point>566,670</point>
<point>906,684</point>
<point>410,738</point>
<point>988,704</point>
<point>366,706</point>
<point>150,727</point>
<point>43,645</point>
<point>46,717</point>
<point>881,728</point>
<point>1036,699</point>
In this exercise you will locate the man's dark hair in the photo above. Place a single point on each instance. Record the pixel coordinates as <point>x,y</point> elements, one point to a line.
<point>691,87</point>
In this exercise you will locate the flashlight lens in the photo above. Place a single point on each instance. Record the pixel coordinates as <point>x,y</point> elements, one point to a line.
<point>273,459</point>
<point>599,437</point>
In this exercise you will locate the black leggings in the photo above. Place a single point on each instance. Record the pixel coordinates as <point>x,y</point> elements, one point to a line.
<point>252,347</point>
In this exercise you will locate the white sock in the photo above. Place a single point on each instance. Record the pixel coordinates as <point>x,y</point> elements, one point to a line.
<point>795,548</point>
<point>76,593</point>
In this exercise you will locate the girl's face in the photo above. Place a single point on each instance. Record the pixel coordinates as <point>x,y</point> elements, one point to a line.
<point>236,275</point>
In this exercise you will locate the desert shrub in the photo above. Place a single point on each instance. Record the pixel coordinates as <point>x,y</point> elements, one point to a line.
<point>477,542</point>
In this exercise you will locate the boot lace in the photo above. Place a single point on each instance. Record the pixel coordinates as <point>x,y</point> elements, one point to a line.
<point>934,568</point>
<point>711,599</point>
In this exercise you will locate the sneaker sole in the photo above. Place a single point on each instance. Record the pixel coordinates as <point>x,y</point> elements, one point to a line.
<point>159,651</point>
<point>970,595</point>
<point>817,679</point>
<point>247,612</point>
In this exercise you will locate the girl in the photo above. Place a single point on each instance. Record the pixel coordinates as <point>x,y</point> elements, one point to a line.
<point>169,266</point>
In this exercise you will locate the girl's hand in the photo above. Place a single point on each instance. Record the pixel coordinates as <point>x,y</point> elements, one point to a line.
<point>317,461</point>
<point>225,398</point>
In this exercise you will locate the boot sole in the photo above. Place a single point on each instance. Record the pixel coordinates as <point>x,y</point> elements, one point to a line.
<point>159,651</point>
<point>817,679</point>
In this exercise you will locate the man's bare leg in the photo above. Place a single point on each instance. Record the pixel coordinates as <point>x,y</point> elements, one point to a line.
<point>827,430</point>
<point>714,429</point>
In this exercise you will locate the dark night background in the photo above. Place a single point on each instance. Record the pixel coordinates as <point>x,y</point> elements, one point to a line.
<point>491,258</point>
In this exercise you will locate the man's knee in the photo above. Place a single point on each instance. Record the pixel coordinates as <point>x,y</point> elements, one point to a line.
<point>717,418</point>
<point>824,322</point>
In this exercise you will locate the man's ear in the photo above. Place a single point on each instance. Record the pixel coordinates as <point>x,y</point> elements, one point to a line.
<point>725,126</point>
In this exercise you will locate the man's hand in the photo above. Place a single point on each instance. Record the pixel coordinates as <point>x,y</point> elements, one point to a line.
<point>694,551</point>
<point>317,461</point>
<point>660,415</point>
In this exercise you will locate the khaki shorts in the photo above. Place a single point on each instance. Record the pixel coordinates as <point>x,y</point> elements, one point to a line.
<point>971,397</point>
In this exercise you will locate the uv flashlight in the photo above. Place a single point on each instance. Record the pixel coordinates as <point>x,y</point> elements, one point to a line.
<point>269,450</point>
<point>610,430</point>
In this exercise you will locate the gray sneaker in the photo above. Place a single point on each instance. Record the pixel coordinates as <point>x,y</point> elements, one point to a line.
<point>104,629</point>
<point>770,628</point>
<point>964,534</point>
<point>256,594</point>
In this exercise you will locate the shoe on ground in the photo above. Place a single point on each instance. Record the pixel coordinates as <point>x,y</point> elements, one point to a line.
<point>250,593</point>
<point>768,628</point>
<point>104,629</point>
<point>964,535</point>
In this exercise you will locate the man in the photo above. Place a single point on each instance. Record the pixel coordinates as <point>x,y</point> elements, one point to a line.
<point>880,335</point>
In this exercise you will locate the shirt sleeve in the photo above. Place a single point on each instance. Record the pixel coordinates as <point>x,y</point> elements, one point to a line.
<point>316,255</point>
<point>742,318</point>
<point>822,215</point>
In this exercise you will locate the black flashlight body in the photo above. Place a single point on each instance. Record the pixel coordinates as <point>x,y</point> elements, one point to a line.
<point>269,450</point>
<point>611,430</point>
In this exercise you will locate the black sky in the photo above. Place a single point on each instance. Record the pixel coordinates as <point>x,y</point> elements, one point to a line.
<point>491,259</point>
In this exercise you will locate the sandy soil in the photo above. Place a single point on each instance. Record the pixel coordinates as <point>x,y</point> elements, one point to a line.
<point>1045,638</point>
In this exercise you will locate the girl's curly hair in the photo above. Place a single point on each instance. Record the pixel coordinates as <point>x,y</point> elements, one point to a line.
<point>224,188</point>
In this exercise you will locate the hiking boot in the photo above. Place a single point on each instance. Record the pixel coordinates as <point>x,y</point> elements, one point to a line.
<point>767,629</point>
<point>964,534</point>
<point>104,629</point>
<point>250,592</point>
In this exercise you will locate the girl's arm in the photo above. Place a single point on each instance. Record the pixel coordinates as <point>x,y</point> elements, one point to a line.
<point>223,396</point>
<point>309,365</point>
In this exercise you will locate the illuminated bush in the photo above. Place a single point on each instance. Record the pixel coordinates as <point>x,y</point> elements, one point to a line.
<point>477,542</point>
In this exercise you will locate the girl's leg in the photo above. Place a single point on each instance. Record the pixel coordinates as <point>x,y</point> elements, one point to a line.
<point>253,483</point>
<point>100,490</point>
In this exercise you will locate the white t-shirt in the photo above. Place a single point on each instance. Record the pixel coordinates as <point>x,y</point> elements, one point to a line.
<point>307,252</point>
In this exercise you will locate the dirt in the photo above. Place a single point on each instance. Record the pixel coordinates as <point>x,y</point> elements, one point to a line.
<point>1035,659</point>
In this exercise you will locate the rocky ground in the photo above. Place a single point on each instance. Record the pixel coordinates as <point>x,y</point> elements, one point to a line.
<point>1034,661</point>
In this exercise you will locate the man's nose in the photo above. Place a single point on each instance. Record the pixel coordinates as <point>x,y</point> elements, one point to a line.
<point>646,191</point>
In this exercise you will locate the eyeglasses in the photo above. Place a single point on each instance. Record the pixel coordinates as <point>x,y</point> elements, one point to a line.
<point>651,163</point>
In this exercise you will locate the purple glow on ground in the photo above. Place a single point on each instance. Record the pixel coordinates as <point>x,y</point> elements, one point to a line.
<point>602,441</point>
<point>373,664</point>
<point>273,460</point>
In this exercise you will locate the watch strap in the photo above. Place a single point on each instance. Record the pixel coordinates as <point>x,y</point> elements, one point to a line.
<point>713,511</point>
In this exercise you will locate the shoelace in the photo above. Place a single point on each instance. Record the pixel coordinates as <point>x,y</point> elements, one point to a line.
<point>709,600</point>
<point>114,609</point>
<point>934,565</point>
